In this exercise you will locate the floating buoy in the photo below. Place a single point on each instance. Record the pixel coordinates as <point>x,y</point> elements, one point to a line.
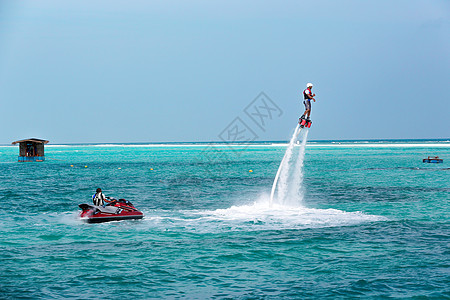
<point>120,168</point>
<point>85,166</point>
<point>71,165</point>
<point>151,169</point>
<point>250,171</point>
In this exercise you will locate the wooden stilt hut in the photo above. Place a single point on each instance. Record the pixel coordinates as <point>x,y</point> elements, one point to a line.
<point>31,149</point>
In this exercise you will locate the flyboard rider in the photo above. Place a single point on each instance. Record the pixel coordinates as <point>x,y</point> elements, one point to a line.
<point>307,96</point>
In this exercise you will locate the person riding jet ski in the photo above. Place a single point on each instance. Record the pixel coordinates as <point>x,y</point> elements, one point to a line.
<point>114,210</point>
<point>99,199</point>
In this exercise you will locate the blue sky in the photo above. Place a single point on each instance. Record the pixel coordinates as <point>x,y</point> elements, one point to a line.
<point>168,71</point>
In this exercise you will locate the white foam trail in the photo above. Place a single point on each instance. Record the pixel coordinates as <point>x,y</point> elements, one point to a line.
<point>70,218</point>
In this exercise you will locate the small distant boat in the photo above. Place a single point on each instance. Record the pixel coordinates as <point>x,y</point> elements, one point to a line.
<point>433,159</point>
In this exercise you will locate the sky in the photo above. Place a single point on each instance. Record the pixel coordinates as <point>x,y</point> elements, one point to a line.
<point>194,71</point>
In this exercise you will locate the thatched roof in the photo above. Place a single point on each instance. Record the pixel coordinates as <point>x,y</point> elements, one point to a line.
<point>34,140</point>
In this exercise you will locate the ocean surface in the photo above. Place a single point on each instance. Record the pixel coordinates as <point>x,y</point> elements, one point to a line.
<point>359,220</point>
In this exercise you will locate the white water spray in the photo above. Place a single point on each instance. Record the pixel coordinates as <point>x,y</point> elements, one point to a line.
<point>289,176</point>
<point>295,185</point>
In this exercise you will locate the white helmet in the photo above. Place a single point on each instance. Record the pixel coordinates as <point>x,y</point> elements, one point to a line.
<point>309,84</point>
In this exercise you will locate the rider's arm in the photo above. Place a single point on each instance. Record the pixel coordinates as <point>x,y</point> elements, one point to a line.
<point>110,199</point>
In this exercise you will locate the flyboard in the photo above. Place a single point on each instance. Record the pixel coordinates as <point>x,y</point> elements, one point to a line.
<point>301,125</point>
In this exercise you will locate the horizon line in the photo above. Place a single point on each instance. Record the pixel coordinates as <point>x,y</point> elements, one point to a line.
<point>239,142</point>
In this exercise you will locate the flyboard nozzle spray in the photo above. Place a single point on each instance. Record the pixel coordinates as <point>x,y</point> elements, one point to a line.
<point>283,169</point>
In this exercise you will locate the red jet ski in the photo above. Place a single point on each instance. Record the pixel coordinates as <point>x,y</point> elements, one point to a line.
<point>114,211</point>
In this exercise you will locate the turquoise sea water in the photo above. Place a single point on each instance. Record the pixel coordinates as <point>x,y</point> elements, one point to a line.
<point>373,223</point>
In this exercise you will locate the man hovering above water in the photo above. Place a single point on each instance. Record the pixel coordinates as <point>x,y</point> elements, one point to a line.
<point>308,96</point>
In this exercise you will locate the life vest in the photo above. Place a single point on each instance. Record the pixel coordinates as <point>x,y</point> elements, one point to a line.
<point>98,199</point>
<point>305,95</point>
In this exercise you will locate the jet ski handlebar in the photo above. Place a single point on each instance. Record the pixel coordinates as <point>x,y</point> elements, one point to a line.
<point>114,200</point>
